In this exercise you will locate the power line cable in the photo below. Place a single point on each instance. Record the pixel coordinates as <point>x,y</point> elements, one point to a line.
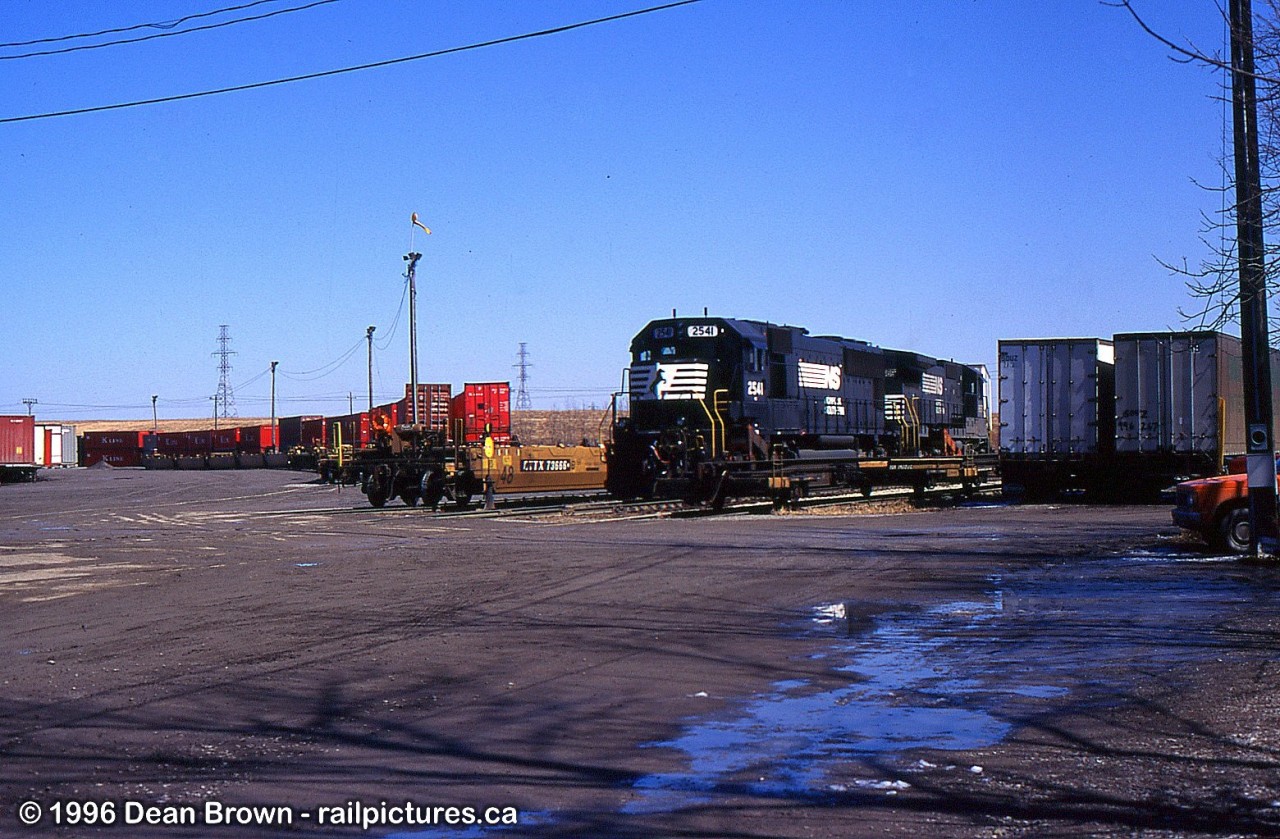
<point>376,64</point>
<point>328,369</point>
<point>254,379</point>
<point>168,24</point>
<point>142,38</point>
<point>391,334</point>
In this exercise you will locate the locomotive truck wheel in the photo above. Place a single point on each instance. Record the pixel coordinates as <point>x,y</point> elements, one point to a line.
<point>379,487</point>
<point>406,487</point>
<point>1234,533</point>
<point>432,488</point>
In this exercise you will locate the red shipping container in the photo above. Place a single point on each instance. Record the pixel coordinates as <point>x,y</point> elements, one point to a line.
<point>392,411</point>
<point>198,442</point>
<point>114,439</point>
<point>355,429</point>
<point>433,405</point>
<point>255,439</point>
<point>171,443</point>
<point>223,439</point>
<point>115,457</point>
<point>290,431</point>
<point>481,406</point>
<point>315,432</point>
<point>18,440</point>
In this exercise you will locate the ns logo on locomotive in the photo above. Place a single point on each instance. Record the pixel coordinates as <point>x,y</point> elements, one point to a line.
<point>722,407</point>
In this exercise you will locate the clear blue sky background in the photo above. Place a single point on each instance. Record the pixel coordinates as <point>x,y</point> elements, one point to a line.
<point>932,176</point>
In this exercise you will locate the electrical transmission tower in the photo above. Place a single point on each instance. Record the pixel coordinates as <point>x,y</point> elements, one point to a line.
<point>226,398</point>
<point>523,403</point>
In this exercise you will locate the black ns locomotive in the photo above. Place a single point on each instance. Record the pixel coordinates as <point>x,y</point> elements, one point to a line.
<point>734,407</point>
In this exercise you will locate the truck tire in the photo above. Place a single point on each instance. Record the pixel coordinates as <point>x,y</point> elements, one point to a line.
<point>1234,530</point>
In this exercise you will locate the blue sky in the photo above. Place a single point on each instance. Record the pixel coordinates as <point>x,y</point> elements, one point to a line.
<point>932,176</point>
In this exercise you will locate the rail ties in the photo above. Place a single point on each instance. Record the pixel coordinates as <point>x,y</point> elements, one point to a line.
<point>587,508</point>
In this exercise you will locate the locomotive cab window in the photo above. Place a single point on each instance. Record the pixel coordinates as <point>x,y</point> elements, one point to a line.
<point>645,355</point>
<point>668,351</point>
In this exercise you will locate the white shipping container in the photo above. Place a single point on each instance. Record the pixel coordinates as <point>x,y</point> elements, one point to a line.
<point>1182,393</point>
<point>55,444</point>
<point>1056,397</point>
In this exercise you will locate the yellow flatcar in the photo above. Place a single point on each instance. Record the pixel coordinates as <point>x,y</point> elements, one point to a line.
<point>516,469</point>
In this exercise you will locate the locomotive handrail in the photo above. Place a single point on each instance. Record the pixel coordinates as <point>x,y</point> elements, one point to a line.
<point>715,403</point>
<point>712,420</point>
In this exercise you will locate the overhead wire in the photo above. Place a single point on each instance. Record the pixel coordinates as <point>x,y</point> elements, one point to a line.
<point>138,40</point>
<point>167,24</point>
<point>328,369</point>
<point>555,30</point>
<point>395,323</point>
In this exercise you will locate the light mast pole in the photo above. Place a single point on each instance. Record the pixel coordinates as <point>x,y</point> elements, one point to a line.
<point>412,258</point>
<point>369,335</point>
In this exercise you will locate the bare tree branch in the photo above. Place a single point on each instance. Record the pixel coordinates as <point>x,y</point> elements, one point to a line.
<point>1214,284</point>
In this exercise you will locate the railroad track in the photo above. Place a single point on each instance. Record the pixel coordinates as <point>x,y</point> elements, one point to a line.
<point>595,506</point>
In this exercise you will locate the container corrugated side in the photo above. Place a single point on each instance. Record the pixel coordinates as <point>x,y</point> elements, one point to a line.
<point>254,439</point>
<point>49,444</point>
<point>1175,389</point>
<point>223,439</point>
<point>391,412</point>
<point>482,407</point>
<point>114,457</point>
<point>355,429</point>
<point>198,442</point>
<point>114,439</point>
<point>315,432</point>
<point>172,443</point>
<point>433,405</point>
<point>70,451</point>
<point>17,440</point>
<point>290,430</point>
<point>1056,397</point>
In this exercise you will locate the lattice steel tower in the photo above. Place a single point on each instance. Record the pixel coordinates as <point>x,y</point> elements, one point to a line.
<point>226,397</point>
<point>523,403</point>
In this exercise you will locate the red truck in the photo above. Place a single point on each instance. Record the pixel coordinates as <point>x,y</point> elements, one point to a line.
<point>1217,508</point>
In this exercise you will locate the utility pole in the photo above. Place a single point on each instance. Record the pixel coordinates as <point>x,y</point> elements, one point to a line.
<point>523,402</point>
<point>155,418</point>
<point>29,403</point>
<point>351,402</point>
<point>1264,529</point>
<point>369,335</point>
<point>215,411</point>
<point>275,442</point>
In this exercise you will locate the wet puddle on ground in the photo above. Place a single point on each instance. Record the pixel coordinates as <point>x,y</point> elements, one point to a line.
<point>958,675</point>
<point>952,676</point>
